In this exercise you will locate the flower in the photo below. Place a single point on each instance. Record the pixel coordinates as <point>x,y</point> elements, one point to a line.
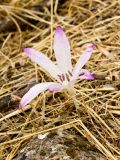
<point>63,72</point>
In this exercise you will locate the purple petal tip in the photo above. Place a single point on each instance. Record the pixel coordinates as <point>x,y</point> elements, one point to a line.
<point>59,29</point>
<point>25,49</point>
<point>20,106</point>
<point>92,46</point>
<point>91,77</point>
<point>28,50</point>
<point>85,74</point>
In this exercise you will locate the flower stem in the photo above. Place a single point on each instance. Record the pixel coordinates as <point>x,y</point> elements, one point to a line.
<point>72,93</point>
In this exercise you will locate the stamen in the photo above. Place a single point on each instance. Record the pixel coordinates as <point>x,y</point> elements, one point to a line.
<point>81,74</point>
<point>63,77</point>
<point>67,76</point>
<point>60,77</point>
<point>70,73</point>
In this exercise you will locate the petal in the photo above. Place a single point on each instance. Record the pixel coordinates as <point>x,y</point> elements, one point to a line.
<point>34,91</point>
<point>55,87</point>
<point>83,60</point>
<point>62,50</point>
<point>85,74</point>
<point>43,61</point>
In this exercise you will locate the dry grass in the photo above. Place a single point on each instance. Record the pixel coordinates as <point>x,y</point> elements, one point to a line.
<point>84,21</point>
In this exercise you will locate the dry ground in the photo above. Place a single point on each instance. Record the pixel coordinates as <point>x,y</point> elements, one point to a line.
<point>31,23</point>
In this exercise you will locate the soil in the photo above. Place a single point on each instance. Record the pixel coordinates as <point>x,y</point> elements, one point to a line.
<point>56,147</point>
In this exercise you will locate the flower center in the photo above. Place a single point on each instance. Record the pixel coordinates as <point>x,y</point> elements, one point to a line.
<point>65,78</point>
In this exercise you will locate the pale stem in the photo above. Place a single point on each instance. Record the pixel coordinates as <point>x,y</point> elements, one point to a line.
<point>43,106</point>
<point>72,93</point>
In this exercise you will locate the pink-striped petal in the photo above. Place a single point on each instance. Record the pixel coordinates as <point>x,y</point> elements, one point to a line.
<point>83,60</point>
<point>35,90</point>
<point>62,50</point>
<point>85,74</point>
<point>43,61</point>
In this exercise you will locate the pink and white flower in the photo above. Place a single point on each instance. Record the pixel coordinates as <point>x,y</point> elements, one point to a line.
<point>64,73</point>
